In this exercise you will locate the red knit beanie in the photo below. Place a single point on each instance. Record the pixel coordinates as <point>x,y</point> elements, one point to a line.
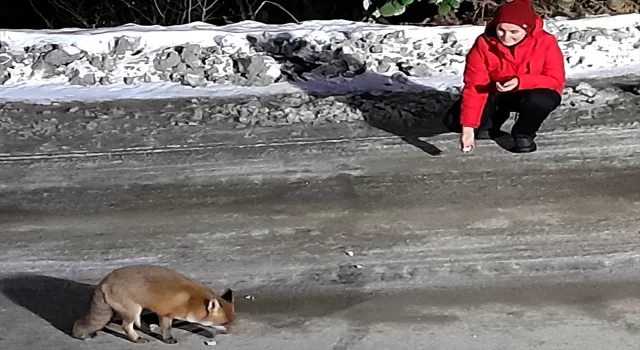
<point>518,12</point>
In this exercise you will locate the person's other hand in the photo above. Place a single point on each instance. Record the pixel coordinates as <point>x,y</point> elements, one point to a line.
<point>467,142</point>
<point>508,85</point>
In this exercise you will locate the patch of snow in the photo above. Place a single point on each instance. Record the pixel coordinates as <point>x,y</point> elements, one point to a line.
<point>51,93</point>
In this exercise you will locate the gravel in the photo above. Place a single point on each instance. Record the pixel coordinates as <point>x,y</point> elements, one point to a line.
<point>56,127</point>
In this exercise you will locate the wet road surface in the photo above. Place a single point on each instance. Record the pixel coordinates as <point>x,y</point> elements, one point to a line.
<point>484,251</point>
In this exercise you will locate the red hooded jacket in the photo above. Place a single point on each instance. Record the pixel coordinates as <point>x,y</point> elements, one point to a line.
<point>537,61</point>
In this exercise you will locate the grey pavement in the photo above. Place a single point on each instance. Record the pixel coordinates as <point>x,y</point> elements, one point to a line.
<point>490,250</point>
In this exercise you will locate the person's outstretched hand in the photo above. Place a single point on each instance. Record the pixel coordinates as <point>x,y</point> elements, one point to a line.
<point>508,85</point>
<point>467,142</point>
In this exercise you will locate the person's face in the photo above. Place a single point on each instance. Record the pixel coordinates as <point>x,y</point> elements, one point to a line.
<point>510,34</point>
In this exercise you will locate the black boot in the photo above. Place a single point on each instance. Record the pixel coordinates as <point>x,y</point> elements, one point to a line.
<point>482,134</point>
<point>524,144</point>
<point>496,133</point>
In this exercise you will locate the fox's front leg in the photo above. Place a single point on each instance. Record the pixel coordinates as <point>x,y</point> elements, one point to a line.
<point>165,328</point>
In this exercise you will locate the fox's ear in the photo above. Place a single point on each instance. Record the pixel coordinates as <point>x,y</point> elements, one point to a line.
<point>227,296</point>
<point>212,304</point>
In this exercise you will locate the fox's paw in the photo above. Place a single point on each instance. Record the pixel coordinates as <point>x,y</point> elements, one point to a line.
<point>83,336</point>
<point>142,340</point>
<point>170,341</point>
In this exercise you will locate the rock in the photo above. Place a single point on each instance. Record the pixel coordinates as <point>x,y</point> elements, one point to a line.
<point>43,69</point>
<point>335,69</point>
<point>5,75</point>
<point>369,36</point>
<point>394,36</point>
<point>166,61</point>
<point>92,125</point>
<point>44,49</point>
<point>58,57</point>
<point>198,114</point>
<point>355,62</point>
<point>619,36</point>
<point>129,80</point>
<point>125,44</point>
<point>211,73</point>
<point>590,35</point>
<point>442,59</point>
<point>19,57</point>
<point>420,70</point>
<point>263,70</point>
<point>175,77</point>
<point>212,50</point>
<point>193,80</point>
<point>230,44</point>
<point>213,60</point>
<point>108,80</point>
<point>377,48</point>
<point>575,36</point>
<point>338,38</point>
<point>415,69</point>
<point>181,68</point>
<point>574,60</point>
<point>109,63</point>
<point>307,116</point>
<point>449,38</point>
<point>604,96</point>
<point>448,51</point>
<point>6,60</point>
<point>97,62</point>
<point>191,55</point>
<point>383,67</point>
<point>585,89</point>
<point>83,80</point>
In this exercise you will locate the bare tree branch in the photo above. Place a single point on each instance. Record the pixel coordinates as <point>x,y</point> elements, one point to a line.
<point>155,2</point>
<point>74,14</point>
<point>49,24</point>
<point>276,5</point>
<point>205,8</point>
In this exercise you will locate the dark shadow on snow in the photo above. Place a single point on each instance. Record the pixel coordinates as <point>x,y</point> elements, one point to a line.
<point>61,302</point>
<point>393,103</point>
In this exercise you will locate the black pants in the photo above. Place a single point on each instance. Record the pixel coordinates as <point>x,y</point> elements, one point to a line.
<point>533,107</point>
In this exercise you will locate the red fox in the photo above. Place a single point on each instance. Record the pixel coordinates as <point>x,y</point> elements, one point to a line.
<point>129,290</point>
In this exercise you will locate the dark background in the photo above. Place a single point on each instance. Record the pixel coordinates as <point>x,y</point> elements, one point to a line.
<point>55,14</point>
<point>42,14</point>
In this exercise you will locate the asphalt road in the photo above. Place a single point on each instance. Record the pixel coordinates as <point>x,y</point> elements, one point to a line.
<point>490,250</point>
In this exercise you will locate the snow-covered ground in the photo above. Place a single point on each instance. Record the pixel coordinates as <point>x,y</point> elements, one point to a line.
<point>199,59</point>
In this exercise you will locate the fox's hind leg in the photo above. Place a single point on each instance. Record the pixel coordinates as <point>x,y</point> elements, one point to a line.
<point>130,317</point>
<point>127,326</point>
<point>165,327</point>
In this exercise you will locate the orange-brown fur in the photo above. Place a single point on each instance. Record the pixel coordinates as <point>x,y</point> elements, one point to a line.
<point>169,294</point>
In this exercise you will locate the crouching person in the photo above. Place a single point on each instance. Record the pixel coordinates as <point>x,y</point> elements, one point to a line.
<point>514,66</point>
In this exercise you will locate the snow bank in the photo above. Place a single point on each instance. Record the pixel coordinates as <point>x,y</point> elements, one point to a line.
<point>251,58</point>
